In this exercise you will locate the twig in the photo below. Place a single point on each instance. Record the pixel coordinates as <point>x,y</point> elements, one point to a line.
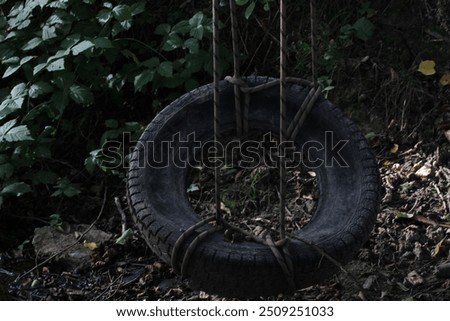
<point>70,245</point>
<point>123,216</point>
<point>110,288</point>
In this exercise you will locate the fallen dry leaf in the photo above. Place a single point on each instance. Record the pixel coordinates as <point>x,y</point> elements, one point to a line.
<point>426,67</point>
<point>424,171</point>
<point>414,278</point>
<point>394,149</point>
<point>90,245</point>
<point>437,248</point>
<point>445,79</point>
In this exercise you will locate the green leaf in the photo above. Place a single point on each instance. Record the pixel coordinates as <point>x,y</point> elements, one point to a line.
<point>6,127</point>
<point>16,189</point>
<point>249,10</point>
<point>8,106</point>
<point>16,134</point>
<point>13,68</point>
<point>26,59</point>
<point>16,100</point>
<point>137,8</point>
<point>68,42</point>
<point>10,70</point>
<point>143,79</point>
<point>39,88</point>
<point>125,237</point>
<point>181,27</point>
<point>162,29</point>
<point>3,20</point>
<point>48,33</point>
<point>90,163</point>
<point>6,52</point>
<point>59,101</point>
<point>42,3</point>
<point>174,42</point>
<point>126,24</point>
<point>55,65</point>
<point>165,69</point>
<point>364,28</point>
<point>64,80</point>
<point>19,90</point>
<point>11,60</point>
<point>35,112</point>
<point>38,68</point>
<point>81,95</point>
<point>102,42</point>
<point>122,12</point>
<point>192,45</point>
<point>116,29</point>
<point>67,188</point>
<point>197,19</point>
<point>56,220</point>
<point>104,16</point>
<point>151,63</point>
<point>82,46</point>
<point>133,126</point>
<point>197,32</point>
<point>59,18</point>
<point>59,4</point>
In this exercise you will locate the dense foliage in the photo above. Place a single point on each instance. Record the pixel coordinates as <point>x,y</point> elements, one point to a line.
<point>67,65</point>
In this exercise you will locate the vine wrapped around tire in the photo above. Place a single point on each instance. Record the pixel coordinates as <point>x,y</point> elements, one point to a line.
<point>341,223</point>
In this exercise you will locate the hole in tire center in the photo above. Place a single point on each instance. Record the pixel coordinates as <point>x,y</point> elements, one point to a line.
<point>250,195</point>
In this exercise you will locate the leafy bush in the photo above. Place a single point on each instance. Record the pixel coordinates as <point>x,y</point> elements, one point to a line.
<point>65,62</point>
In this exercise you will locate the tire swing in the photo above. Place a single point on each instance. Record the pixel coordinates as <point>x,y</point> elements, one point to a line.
<point>258,265</point>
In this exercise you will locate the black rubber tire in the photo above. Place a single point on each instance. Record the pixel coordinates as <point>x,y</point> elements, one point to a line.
<point>342,222</point>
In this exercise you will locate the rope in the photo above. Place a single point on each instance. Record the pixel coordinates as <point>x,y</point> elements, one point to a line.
<point>303,111</point>
<point>282,117</point>
<point>283,257</point>
<point>182,238</point>
<point>285,261</point>
<point>216,62</point>
<point>193,245</point>
<point>236,64</point>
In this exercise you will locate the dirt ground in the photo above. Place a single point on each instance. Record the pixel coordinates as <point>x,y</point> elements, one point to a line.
<point>399,262</point>
<point>406,119</point>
